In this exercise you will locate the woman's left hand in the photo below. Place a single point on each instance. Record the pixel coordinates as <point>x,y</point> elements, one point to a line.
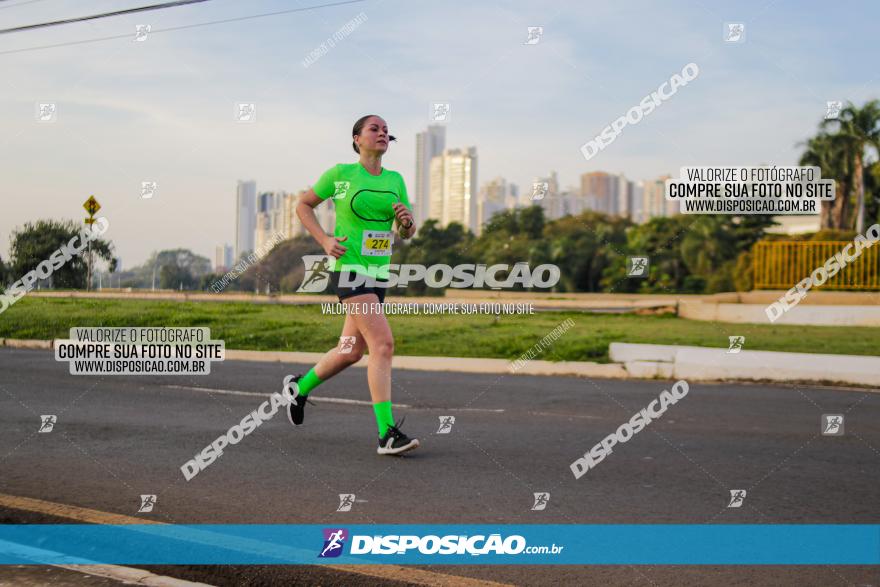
<point>403,215</point>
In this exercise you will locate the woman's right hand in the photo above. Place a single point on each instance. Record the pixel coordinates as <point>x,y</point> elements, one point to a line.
<point>332,247</point>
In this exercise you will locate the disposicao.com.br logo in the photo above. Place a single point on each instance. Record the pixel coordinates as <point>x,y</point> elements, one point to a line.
<point>476,545</point>
<point>498,276</point>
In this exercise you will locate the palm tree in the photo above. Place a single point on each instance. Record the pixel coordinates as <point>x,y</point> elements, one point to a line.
<point>832,154</point>
<point>860,127</point>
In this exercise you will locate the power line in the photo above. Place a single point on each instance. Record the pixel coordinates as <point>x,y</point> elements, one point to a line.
<point>177,28</point>
<point>19,4</point>
<point>102,15</point>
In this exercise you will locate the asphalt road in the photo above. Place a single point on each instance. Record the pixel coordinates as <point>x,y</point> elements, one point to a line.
<point>119,437</point>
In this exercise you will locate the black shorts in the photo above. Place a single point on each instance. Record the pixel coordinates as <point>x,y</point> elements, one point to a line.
<point>344,292</point>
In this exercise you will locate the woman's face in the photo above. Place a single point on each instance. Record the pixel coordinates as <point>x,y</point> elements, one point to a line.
<point>374,135</point>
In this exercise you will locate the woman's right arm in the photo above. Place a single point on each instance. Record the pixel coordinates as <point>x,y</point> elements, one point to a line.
<point>305,211</point>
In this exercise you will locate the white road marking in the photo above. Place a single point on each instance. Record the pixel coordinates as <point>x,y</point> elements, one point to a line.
<point>329,400</point>
<point>582,416</point>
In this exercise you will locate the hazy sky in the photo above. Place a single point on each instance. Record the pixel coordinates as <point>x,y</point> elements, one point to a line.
<point>162,110</point>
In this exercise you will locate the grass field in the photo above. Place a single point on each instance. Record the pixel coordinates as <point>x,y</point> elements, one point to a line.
<point>304,328</point>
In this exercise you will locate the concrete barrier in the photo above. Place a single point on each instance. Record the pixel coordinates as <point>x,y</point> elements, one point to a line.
<point>697,363</point>
<point>621,352</point>
<point>802,314</point>
<point>649,369</point>
<point>700,363</point>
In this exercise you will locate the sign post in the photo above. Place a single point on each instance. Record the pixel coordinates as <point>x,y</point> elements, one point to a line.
<point>91,205</point>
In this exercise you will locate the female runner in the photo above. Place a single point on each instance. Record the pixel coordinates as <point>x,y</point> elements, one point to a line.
<point>369,200</point>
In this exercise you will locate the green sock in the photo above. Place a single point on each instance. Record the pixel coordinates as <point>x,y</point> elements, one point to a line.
<point>383,417</point>
<point>309,382</point>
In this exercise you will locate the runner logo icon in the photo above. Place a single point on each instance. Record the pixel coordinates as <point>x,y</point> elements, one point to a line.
<point>341,189</point>
<point>148,189</point>
<point>317,275</point>
<point>346,344</point>
<point>539,190</point>
<point>446,423</point>
<point>47,423</point>
<point>832,424</point>
<point>147,503</point>
<point>334,542</point>
<point>737,497</point>
<point>346,500</point>
<point>735,33</point>
<point>637,266</point>
<point>535,34</point>
<point>832,109</point>
<point>541,500</point>
<point>736,344</point>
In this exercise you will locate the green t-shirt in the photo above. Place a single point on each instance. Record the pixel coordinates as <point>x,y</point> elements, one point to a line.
<point>364,214</point>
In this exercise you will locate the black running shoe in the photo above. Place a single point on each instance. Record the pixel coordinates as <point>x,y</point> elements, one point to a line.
<point>297,406</point>
<point>396,442</point>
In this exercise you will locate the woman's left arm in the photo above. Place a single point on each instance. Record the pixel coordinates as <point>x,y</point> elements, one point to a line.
<point>406,225</point>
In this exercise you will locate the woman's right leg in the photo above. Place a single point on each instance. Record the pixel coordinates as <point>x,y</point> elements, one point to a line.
<point>345,354</point>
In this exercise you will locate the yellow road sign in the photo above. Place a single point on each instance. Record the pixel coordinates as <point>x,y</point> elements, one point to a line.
<point>91,205</point>
<point>89,220</point>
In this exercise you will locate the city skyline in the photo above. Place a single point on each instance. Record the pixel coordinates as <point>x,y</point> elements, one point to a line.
<point>162,110</point>
<point>454,194</point>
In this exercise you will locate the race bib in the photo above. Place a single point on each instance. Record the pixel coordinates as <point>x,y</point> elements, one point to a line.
<point>377,243</point>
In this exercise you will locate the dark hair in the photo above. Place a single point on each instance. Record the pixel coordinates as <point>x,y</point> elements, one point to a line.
<point>359,126</point>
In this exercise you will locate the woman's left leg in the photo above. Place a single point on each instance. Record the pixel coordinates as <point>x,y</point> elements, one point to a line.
<point>374,327</point>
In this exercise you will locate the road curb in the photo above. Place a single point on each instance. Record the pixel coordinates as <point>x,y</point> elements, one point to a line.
<point>25,343</point>
<point>456,364</point>
<point>131,575</point>
<point>391,572</point>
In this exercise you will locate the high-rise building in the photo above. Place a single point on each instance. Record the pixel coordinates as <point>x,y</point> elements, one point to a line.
<point>624,200</point>
<point>288,218</point>
<point>429,144</point>
<point>672,208</point>
<point>495,196</point>
<point>637,199</point>
<point>274,215</point>
<point>223,260</point>
<point>601,191</point>
<point>654,202</point>
<point>245,217</point>
<point>453,192</point>
<point>572,201</point>
<point>549,198</point>
<point>512,200</point>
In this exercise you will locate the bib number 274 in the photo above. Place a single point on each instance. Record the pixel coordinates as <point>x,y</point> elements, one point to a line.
<point>376,243</point>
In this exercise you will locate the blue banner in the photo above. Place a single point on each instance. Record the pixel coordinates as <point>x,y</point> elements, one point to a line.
<point>534,544</point>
